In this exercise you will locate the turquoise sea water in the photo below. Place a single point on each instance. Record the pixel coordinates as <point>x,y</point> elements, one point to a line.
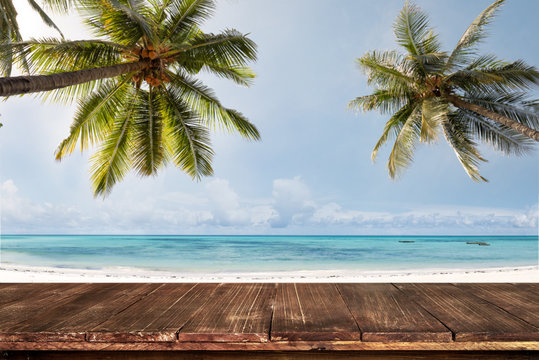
<point>267,253</point>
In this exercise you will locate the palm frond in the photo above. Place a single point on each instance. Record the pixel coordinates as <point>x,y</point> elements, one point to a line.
<point>466,47</point>
<point>413,31</point>
<point>50,55</point>
<point>433,114</point>
<point>228,49</point>
<point>116,21</point>
<point>8,21</point>
<point>183,16</point>
<point>158,11</point>
<point>46,19</point>
<point>111,162</point>
<point>483,62</point>
<point>515,106</point>
<point>95,114</point>
<point>134,11</point>
<point>431,63</point>
<point>498,136</point>
<point>393,126</point>
<point>388,70</point>
<point>6,57</point>
<point>504,78</point>
<point>516,75</point>
<point>460,138</point>
<point>9,34</point>
<point>61,6</point>
<point>203,102</point>
<point>384,100</point>
<point>147,143</point>
<point>186,138</point>
<point>241,75</point>
<point>403,149</point>
<point>69,94</point>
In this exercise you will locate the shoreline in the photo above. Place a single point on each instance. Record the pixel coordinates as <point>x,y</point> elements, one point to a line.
<point>12,273</point>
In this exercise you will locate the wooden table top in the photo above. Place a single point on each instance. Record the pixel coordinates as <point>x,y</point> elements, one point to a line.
<point>269,317</point>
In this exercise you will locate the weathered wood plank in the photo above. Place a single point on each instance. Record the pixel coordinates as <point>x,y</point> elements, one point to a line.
<point>383,313</point>
<point>234,312</point>
<point>79,312</point>
<point>530,286</point>
<point>156,317</point>
<point>28,307</point>
<point>312,312</point>
<point>518,299</point>
<point>236,317</point>
<point>311,346</point>
<point>469,318</point>
<point>35,301</point>
<point>12,292</point>
<point>255,355</point>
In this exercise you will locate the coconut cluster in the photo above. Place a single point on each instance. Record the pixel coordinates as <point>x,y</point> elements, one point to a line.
<point>154,74</point>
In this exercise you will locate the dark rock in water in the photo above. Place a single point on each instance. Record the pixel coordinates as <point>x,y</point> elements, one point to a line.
<point>406,241</point>
<point>478,243</point>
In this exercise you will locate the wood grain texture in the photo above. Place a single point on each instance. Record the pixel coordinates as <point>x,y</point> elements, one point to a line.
<point>312,312</point>
<point>530,286</point>
<point>384,313</point>
<point>521,301</point>
<point>469,317</point>
<point>35,303</point>
<point>156,317</point>
<point>13,292</point>
<point>80,312</point>
<point>234,312</point>
<point>250,355</point>
<point>312,346</point>
<point>238,317</point>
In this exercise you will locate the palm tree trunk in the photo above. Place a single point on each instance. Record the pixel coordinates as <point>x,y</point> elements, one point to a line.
<point>523,129</point>
<point>35,83</point>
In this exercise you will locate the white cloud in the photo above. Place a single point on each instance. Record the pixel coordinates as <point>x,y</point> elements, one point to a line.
<point>292,202</point>
<point>226,204</point>
<point>332,213</point>
<point>291,208</point>
<point>465,219</point>
<point>22,213</point>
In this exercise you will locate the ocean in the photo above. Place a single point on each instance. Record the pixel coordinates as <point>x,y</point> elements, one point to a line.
<point>268,253</point>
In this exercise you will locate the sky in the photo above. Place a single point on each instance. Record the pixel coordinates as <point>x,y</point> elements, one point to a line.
<point>311,173</point>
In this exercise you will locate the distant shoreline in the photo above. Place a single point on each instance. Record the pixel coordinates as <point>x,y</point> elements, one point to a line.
<point>23,273</point>
<point>281,235</point>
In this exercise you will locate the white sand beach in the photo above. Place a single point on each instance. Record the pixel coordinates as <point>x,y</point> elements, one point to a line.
<point>20,273</point>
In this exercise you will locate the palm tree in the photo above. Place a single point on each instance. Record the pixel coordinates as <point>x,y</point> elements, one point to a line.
<point>466,96</point>
<point>138,97</point>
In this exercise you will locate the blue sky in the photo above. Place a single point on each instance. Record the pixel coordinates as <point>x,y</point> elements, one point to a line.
<point>311,173</point>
